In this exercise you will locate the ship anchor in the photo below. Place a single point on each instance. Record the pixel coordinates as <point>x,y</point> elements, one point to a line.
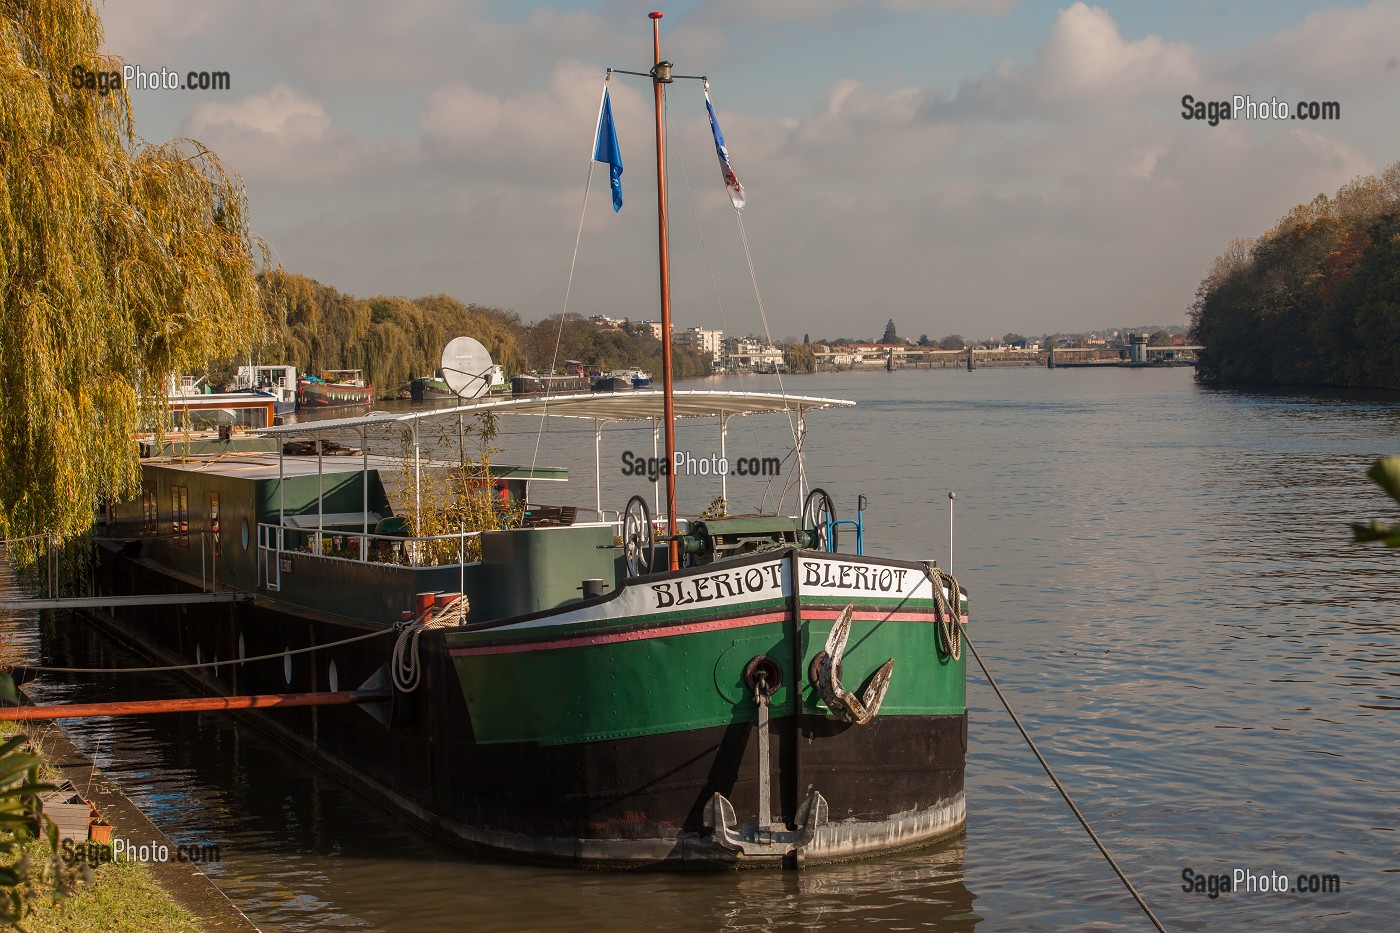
<point>826,677</point>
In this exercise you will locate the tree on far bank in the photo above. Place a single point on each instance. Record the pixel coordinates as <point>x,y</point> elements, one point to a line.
<point>889,336</point>
<point>121,264</point>
<point>800,358</point>
<point>952,342</point>
<point>1159,338</point>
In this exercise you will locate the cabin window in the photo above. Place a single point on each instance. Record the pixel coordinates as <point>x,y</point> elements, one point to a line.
<point>180,515</point>
<point>149,521</point>
<point>216,542</point>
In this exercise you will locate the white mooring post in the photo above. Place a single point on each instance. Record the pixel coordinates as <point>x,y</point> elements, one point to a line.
<point>951,496</point>
<point>724,457</point>
<point>598,468</point>
<point>364,496</point>
<point>655,452</point>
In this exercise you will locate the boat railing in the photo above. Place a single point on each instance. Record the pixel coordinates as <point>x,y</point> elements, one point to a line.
<point>277,543</point>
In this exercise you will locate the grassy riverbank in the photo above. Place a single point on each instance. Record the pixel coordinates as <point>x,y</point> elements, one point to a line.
<point>114,897</point>
<point>120,898</point>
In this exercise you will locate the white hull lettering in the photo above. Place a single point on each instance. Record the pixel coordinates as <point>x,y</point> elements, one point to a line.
<point>854,577</point>
<point>717,586</point>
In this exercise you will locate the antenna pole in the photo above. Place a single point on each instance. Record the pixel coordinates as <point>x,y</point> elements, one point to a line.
<point>660,77</point>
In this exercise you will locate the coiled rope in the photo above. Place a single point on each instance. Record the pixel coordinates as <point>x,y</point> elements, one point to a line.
<point>1064,793</point>
<point>947,609</point>
<point>406,665</point>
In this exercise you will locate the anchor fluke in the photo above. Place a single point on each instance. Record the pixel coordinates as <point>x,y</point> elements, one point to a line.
<point>826,677</point>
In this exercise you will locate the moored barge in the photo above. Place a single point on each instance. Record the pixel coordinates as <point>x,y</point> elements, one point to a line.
<point>776,701</point>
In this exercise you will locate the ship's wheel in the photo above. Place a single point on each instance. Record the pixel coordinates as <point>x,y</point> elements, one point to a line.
<point>638,537</point>
<point>819,517</point>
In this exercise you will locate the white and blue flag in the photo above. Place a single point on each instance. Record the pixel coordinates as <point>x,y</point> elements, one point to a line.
<point>731,181</point>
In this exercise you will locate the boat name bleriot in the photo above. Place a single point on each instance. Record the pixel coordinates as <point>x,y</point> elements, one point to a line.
<point>717,586</point>
<point>854,577</point>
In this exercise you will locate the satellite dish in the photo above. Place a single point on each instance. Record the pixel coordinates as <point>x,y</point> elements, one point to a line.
<point>466,367</point>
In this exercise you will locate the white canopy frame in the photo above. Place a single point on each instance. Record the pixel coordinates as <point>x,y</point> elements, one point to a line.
<point>602,408</point>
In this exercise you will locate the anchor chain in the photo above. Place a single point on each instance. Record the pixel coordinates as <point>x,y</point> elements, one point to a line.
<point>761,694</point>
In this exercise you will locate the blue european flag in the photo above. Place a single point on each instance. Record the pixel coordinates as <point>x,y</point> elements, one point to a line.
<point>605,149</point>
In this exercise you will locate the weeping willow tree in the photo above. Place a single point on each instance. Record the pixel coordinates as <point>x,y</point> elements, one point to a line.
<point>121,264</point>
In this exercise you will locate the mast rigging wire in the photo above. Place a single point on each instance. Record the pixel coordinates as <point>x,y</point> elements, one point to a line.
<point>568,288</point>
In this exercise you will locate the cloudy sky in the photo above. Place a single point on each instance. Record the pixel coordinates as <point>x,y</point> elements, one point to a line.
<point>961,167</point>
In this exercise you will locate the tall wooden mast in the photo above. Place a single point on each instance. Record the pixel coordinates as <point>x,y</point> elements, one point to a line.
<point>660,77</point>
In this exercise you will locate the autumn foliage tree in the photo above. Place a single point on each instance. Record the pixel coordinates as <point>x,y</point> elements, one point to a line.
<point>1312,302</point>
<point>121,264</point>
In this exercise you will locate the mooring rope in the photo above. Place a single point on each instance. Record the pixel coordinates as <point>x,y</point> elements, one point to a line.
<point>190,667</point>
<point>1061,788</point>
<point>406,665</point>
<point>947,609</point>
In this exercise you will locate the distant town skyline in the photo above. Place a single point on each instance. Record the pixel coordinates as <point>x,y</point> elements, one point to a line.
<point>943,163</point>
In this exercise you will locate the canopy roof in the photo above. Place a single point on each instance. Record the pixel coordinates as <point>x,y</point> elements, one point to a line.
<point>603,407</point>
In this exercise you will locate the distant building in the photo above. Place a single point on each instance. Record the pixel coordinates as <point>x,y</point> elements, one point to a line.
<point>649,327</point>
<point>708,343</point>
<point>608,323</point>
<point>751,354</point>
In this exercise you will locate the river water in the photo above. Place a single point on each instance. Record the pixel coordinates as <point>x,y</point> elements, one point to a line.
<point>1162,581</point>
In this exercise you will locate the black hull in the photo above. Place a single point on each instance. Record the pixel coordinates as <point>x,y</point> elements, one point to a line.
<point>419,391</point>
<point>635,802</point>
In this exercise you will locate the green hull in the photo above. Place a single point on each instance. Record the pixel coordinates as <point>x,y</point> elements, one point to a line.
<point>660,666</point>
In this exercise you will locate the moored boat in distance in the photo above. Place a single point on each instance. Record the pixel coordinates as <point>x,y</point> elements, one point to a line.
<point>549,384</point>
<point>436,388</point>
<point>334,388</point>
<point>430,388</point>
<point>641,379</point>
<point>278,382</point>
<point>613,382</point>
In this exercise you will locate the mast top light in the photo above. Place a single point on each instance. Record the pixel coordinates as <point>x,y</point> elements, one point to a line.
<point>661,71</point>
<point>656,14</point>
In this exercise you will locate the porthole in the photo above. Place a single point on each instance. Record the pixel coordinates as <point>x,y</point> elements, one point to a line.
<point>287,665</point>
<point>244,536</point>
<point>241,652</point>
<point>334,679</point>
<point>198,655</point>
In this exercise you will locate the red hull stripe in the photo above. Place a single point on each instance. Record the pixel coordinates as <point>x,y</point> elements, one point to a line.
<point>635,635</point>
<point>859,616</point>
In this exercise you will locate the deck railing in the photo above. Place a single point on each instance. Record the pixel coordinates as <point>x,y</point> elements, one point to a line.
<point>275,541</point>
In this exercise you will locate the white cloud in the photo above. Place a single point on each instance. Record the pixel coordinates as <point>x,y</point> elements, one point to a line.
<point>278,139</point>
<point>1329,53</point>
<point>444,150</point>
<point>791,11</point>
<point>1083,62</point>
